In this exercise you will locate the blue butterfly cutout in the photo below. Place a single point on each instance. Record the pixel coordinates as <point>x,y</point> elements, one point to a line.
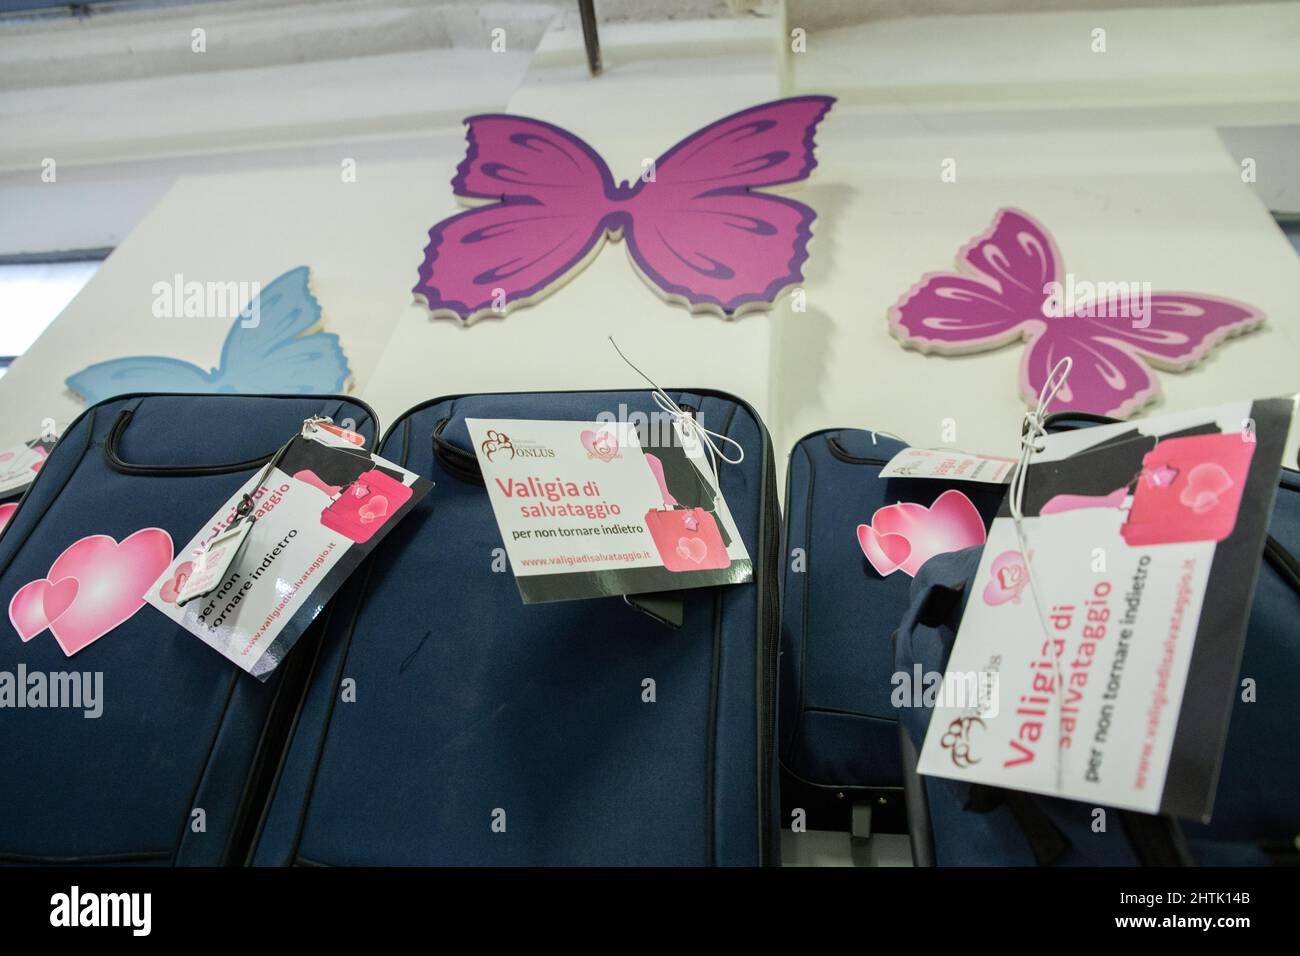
<point>276,356</point>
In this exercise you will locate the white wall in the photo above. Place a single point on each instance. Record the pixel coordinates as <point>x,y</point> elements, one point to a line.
<point>1147,195</point>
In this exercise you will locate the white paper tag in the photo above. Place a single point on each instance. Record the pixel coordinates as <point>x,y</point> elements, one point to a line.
<point>20,464</point>
<point>211,568</point>
<point>316,514</point>
<point>948,465</point>
<point>1141,541</point>
<point>584,511</point>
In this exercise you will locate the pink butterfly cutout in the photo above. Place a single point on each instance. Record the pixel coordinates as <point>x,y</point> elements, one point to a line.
<point>697,231</point>
<point>1001,293</point>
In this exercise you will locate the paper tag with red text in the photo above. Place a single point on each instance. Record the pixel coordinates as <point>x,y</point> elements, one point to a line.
<point>948,465</point>
<point>251,581</point>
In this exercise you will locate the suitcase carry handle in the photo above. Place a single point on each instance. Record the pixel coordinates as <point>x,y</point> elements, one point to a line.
<point>455,461</point>
<point>113,456</point>
<point>117,463</point>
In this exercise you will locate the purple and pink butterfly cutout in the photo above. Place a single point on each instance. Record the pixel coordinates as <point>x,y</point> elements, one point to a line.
<point>1000,294</point>
<point>697,230</point>
<point>701,234</point>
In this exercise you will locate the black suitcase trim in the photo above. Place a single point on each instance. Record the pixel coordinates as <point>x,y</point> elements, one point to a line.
<point>113,443</point>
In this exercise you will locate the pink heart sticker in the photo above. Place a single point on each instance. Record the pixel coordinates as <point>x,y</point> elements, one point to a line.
<point>602,445</point>
<point>6,513</point>
<point>112,580</point>
<point>904,536</point>
<point>37,603</point>
<point>692,549</point>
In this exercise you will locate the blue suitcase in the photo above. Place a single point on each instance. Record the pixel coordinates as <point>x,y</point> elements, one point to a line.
<point>1256,817</point>
<point>181,729</point>
<point>448,723</point>
<point>839,729</point>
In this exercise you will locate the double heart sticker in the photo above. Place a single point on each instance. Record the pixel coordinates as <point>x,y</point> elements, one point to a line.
<point>903,536</point>
<point>94,586</point>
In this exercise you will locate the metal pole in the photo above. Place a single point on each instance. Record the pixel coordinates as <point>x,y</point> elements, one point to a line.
<point>590,37</point>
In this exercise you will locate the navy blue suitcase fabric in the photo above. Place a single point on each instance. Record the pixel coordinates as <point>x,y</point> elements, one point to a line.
<point>471,707</point>
<point>838,726</point>
<point>181,727</point>
<point>1256,818</point>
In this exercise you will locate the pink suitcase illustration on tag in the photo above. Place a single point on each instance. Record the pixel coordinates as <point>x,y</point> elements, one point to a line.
<point>1189,490</point>
<point>687,538</point>
<point>363,506</point>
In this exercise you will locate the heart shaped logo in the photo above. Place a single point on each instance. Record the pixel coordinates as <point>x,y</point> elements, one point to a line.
<point>108,584</point>
<point>692,549</point>
<point>373,509</point>
<point>7,512</point>
<point>904,536</point>
<point>37,603</point>
<point>1205,484</point>
<point>1007,578</point>
<point>601,445</point>
<point>172,589</point>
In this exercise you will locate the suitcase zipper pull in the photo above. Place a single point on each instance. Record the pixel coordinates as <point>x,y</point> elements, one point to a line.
<point>322,429</point>
<point>240,527</point>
